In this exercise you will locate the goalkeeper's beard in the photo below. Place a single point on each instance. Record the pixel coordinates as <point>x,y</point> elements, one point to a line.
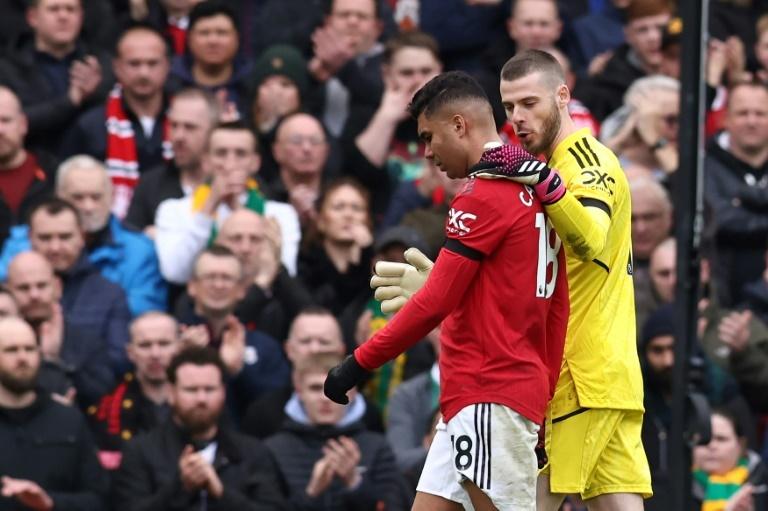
<point>549,130</point>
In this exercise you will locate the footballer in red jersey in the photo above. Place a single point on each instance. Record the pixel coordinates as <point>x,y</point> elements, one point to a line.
<point>499,288</point>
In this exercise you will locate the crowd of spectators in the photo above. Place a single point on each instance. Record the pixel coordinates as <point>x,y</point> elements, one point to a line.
<point>193,195</point>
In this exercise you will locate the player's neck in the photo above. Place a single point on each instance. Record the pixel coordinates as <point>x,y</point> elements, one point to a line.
<point>567,128</point>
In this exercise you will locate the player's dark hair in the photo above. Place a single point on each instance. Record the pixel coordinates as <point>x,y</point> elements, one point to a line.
<point>209,9</point>
<point>445,89</point>
<point>197,356</point>
<point>533,61</point>
<point>54,206</point>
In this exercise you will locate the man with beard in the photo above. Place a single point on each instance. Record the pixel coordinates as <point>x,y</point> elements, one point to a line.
<point>140,402</point>
<point>194,461</point>
<point>73,357</point>
<point>25,177</point>
<point>49,459</point>
<point>121,255</point>
<point>598,401</point>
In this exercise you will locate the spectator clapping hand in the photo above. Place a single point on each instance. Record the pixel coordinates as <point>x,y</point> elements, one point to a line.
<point>28,493</point>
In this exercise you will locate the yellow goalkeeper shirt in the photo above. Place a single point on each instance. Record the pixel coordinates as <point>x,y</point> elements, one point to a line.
<point>594,221</point>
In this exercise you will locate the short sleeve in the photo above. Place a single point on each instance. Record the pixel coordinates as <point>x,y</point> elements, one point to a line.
<point>474,221</point>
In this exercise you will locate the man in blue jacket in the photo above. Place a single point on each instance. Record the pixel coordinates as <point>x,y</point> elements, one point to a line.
<point>123,256</point>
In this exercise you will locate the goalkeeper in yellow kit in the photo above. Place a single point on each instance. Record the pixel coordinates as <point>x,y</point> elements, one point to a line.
<point>594,420</point>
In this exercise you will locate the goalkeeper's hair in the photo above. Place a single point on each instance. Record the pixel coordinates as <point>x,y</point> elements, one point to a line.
<point>533,61</point>
<point>446,89</point>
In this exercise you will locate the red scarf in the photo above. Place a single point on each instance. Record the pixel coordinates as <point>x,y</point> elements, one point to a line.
<point>122,159</point>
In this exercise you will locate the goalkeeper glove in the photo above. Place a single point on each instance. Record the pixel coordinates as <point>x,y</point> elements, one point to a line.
<point>395,283</point>
<point>343,378</point>
<point>517,164</point>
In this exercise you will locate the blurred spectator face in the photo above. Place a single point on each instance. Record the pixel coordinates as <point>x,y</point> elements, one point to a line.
<point>356,22</point>
<point>213,41</point>
<point>190,125</point>
<point>232,155</point>
<point>644,36</point>
<point>19,356</point>
<point>747,118</point>
<point>197,397</point>
<point>534,110</point>
<point>660,354</point>
<point>340,214</point>
<point>57,237</point>
<point>243,233</point>
<point>761,49</point>
<point>34,286</point>
<point>321,411</point>
<point>300,146</point>
<point>216,285</point>
<point>313,334</point>
<point>277,94</point>
<point>722,453</point>
<point>534,25</point>
<point>154,342</point>
<point>651,217</point>
<point>411,67</point>
<point>56,22</point>
<point>663,272</point>
<point>141,65</point>
<point>8,307</point>
<point>13,129</point>
<point>89,190</point>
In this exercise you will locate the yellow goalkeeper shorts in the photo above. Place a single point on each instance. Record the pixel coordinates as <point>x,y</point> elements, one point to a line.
<point>593,451</point>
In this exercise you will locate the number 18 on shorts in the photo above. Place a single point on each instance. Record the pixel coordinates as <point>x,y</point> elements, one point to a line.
<point>489,445</point>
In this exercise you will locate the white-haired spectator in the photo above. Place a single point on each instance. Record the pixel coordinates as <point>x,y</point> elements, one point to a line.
<point>123,256</point>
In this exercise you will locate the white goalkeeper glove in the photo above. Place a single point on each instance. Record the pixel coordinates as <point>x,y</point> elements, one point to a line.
<point>395,283</point>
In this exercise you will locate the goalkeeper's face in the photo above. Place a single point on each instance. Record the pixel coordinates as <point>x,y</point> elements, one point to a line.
<point>534,106</point>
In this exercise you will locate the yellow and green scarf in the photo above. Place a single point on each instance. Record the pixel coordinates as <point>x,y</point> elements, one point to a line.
<point>255,201</point>
<point>719,488</point>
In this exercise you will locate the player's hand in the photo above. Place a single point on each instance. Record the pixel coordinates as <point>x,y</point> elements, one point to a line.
<point>517,164</point>
<point>395,283</point>
<point>343,378</point>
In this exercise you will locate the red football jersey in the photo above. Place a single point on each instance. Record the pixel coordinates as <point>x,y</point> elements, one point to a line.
<point>500,284</point>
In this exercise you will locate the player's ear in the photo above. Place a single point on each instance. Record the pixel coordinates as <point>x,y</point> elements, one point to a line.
<point>563,95</point>
<point>459,125</point>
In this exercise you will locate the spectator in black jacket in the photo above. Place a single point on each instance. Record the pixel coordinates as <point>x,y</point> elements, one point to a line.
<point>328,459</point>
<point>73,356</point>
<point>49,460</point>
<point>87,298</point>
<point>194,461</point>
<point>128,131</point>
<point>140,401</point>
<point>192,116</point>
<point>735,188</point>
<point>25,178</point>
<point>55,75</point>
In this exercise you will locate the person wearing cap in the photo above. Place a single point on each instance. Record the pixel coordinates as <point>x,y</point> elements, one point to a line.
<point>639,56</point>
<point>280,84</point>
<point>363,317</point>
<point>212,61</point>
